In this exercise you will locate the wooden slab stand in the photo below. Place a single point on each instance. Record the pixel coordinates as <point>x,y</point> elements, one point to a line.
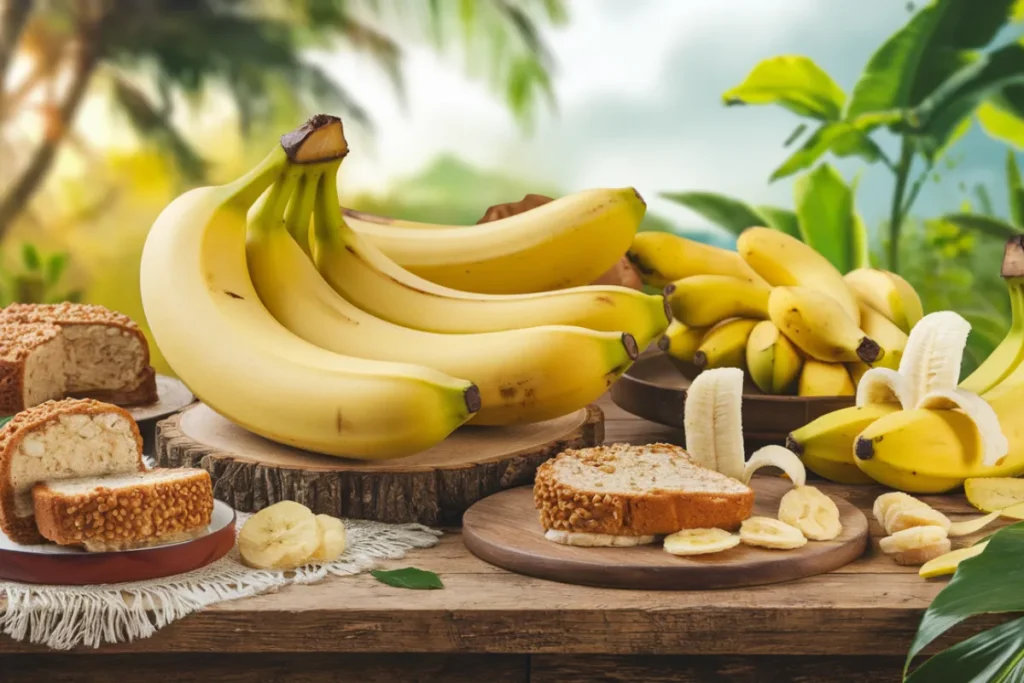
<point>433,487</point>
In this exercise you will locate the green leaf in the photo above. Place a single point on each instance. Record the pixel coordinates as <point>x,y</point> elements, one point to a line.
<point>793,82</point>
<point>30,256</point>
<point>731,214</point>
<point>1001,123</point>
<point>780,219</point>
<point>824,208</point>
<point>55,267</point>
<point>5,419</point>
<point>984,200</point>
<point>842,138</point>
<point>410,577</point>
<point>986,225</point>
<point>981,585</point>
<point>991,655</point>
<point>933,45</point>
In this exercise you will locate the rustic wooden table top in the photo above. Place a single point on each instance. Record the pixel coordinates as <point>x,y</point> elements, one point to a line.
<point>870,607</point>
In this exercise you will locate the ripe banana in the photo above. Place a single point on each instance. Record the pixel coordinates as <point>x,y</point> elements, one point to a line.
<point>681,342</point>
<point>990,494</point>
<point>857,371</point>
<point>825,445</point>
<point>568,242</point>
<point>883,385</point>
<point>332,539</point>
<point>765,532</point>
<point>700,541</point>
<point>931,360</point>
<point>285,535</point>
<point>916,545</point>
<point>812,512</point>
<point>364,275</point>
<point>948,562</point>
<point>904,515</point>
<point>221,341</point>
<point>887,501</point>
<point>776,456</point>
<point>523,375</point>
<point>825,379</point>
<point>783,260</point>
<point>892,339</point>
<point>663,258</point>
<point>724,345</point>
<point>888,294</point>
<point>704,300</point>
<point>772,360</point>
<point>712,421</point>
<point>818,326</point>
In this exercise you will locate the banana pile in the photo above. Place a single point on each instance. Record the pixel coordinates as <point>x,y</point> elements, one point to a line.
<point>285,319</point>
<point>777,309</point>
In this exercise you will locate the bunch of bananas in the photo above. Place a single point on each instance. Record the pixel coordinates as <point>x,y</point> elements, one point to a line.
<point>777,309</point>
<point>921,433</point>
<point>288,322</point>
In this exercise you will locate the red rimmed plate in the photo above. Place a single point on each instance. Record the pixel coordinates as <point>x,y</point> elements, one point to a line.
<point>55,565</point>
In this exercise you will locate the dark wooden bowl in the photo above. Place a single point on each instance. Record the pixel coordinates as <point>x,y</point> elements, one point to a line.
<point>655,389</point>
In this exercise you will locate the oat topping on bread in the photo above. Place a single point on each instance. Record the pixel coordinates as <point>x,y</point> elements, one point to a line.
<point>60,440</point>
<point>636,491</point>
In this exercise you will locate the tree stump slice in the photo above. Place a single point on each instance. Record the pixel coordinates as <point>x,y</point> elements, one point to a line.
<point>433,487</point>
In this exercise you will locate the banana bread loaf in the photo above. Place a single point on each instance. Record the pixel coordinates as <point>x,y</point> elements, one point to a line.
<point>31,366</point>
<point>125,511</point>
<point>60,440</point>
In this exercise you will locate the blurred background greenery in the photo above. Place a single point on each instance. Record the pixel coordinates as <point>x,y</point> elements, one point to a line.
<point>890,139</point>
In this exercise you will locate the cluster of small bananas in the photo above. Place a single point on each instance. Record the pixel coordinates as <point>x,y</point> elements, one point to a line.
<point>777,309</point>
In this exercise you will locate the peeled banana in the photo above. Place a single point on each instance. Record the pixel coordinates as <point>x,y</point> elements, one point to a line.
<point>812,512</point>
<point>818,325</point>
<point>916,545</point>
<point>704,300</point>
<point>773,362</point>
<point>825,445</point>
<point>888,294</point>
<point>712,420</point>
<point>285,535</point>
<point>933,354</point>
<point>825,379</point>
<point>765,532</point>
<point>724,345</point>
<point>700,541</point>
<point>663,258</point>
<point>332,539</point>
<point>776,456</point>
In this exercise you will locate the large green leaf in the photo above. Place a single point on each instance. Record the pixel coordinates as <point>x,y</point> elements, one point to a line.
<point>731,214</point>
<point>1015,188</point>
<point>839,137</point>
<point>986,225</point>
<point>780,219</point>
<point>1001,123</point>
<point>824,208</point>
<point>932,46</point>
<point>986,584</point>
<point>793,82</point>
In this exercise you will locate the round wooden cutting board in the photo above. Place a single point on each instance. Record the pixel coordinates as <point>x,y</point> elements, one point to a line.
<point>172,396</point>
<point>432,487</point>
<point>505,531</point>
<point>654,388</point>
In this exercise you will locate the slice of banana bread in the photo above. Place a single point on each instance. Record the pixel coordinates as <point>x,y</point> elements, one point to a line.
<point>107,355</point>
<point>636,491</point>
<point>125,511</point>
<point>60,440</point>
<point>31,366</point>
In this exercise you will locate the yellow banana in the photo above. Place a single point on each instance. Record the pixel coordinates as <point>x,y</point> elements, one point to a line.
<point>222,342</point>
<point>825,379</point>
<point>704,300</point>
<point>892,339</point>
<point>784,260</point>
<point>773,361</point>
<point>857,370</point>
<point>888,294</point>
<point>567,242</point>
<point>819,327</point>
<point>724,346</point>
<point>681,342</point>
<point>825,445</point>
<point>663,258</point>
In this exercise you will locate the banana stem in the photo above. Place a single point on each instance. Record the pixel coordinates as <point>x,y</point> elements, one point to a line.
<point>327,215</point>
<point>268,212</point>
<point>249,187</point>
<point>300,209</point>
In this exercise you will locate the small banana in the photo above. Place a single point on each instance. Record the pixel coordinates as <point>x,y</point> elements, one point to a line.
<point>825,379</point>
<point>825,445</point>
<point>916,545</point>
<point>700,541</point>
<point>812,512</point>
<point>704,300</point>
<point>582,539</point>
<point>947,563</point>
<point>332,535</point>
<point>776,456</point>
<point>724,345</point>
<point>712,419</point>
<point>935,349</point>
<point>820,327</point>
<point>883,385</point>
<point>888,294</point>
<point>772,360</point>
<point>765,532</point>
<point>681,342</point>
<point>663,258</point>
<point>285,535</point>
<point>857,370</point>
<point>891,338</point>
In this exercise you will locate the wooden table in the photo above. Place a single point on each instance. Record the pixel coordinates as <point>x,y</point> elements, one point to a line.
<point>491,626</point>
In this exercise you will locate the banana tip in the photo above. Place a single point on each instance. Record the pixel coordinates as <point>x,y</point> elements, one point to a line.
<point>869,351</point>
<point>864,449</point>
<point>700,359</point>
<point>632,348</point>
<point>794,445</point>
<point>664,343</point>
<point>472,397</point>
<point>668,308</point>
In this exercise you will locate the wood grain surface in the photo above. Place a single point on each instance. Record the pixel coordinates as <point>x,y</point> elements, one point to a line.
<point>432,487</point>
<point>504,530</point>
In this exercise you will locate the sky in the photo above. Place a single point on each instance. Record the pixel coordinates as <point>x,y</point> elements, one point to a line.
<point>639,86</point>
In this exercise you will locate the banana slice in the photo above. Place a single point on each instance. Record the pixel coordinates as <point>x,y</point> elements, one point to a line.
<point>935,349</point>
<point>713,421</point>
<point>883,385</point>
<point>971,526</point>
<point>907,515</point>
<point>994,444</point>
<point>700,541</point>
<point>282,536</point>
<point>765,532</point>
<point>887,500</point>
<point>332,543</point>
<point>916,545</point>
<point>776,456</point>
<point>582,539</point>
<point>947,563</point>
<point>812,512</point>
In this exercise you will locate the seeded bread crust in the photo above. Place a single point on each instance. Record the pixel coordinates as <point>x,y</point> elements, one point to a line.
<point>17,342</point>
<point>66,314</point>
<point>23,529</point>
<point>564,507</point>
<point>134,516</point>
